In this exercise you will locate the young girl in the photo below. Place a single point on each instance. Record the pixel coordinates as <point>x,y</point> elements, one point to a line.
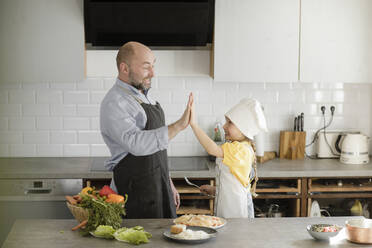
<point>235,158</point>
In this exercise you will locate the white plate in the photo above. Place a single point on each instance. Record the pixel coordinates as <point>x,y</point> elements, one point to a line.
<point>212,233</point>
<point>315,210</point>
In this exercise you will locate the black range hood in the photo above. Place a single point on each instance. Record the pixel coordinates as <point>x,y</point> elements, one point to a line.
<point>151,22</point>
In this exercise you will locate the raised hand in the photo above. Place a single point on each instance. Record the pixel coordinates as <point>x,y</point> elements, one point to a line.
<point>192,108</point>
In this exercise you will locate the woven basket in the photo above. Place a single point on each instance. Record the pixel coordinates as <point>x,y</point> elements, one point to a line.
<point>79,213</point>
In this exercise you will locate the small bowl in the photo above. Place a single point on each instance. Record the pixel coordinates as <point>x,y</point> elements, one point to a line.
<point>322,235</point>
<point>359,231</point>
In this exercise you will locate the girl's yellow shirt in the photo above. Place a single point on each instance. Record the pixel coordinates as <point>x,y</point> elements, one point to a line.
<point>238,156</point>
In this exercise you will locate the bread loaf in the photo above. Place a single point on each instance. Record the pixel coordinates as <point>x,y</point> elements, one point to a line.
<point>178,228</point>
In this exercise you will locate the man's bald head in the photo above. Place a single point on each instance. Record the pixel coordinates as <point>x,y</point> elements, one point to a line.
<point>128,51</point>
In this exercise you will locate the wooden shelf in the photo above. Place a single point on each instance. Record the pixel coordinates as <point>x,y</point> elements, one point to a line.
<point>190,197</point>
<point>335,188</point>
<point>185,189</point>
<point>281,189</point>
<point>194,210</point>
<point>340,195</point>
<point>277,196</point>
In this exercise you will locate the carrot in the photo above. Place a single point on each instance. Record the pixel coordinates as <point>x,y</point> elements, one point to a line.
<point>81,224</point>
<point>71,200</point>
<point>78,198</point>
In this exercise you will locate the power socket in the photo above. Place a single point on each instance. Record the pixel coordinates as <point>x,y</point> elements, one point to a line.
<point>333,108</point>
<point>323,109</point>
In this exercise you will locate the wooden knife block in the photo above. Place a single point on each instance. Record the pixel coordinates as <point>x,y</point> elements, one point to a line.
<point>292,145</point>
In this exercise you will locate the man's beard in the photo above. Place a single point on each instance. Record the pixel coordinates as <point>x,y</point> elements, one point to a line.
<point>139,85</point>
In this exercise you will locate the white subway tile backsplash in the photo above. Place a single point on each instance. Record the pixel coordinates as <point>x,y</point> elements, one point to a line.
<point>49,96</point>
<point>76,123</point>
<point>294,96</point>
<point>71,97</point>
<point>215,96</point>
<point>76,150</point>
<point>49,123</point>
<point>37,137</point>
<point>35,109</point>
<point>163,97</point>
<point>171,83</point>
<point>96,97</point>
<point>62,119</point>
<point>198,83</point>
<point>3,97</point>
<point>10,137</point>
<point>63,109</point>
<point>49,150</point>
<point>250,86</point>
<point>21,96</point>
<point>21,150</point>
<point>225,85</point>
<point>319,96</point>
<point>6,86</point>
<point>63,86</point>
<point>94,123</point>
<point>4,150</point>
<point>308,109</point>
<point>108,83</point>
<point>34,86</point>
<point>278,86</point>
<point>10,109</point>
<point>88,110</point>
<point>90,137</point>
<point>99,150</point>
<point>63,137</point>
<point>22,123</point>
<point>90,84</point>
<point>3,123</point>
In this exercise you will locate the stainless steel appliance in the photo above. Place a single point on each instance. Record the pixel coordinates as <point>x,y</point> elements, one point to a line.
<point>34,199</point>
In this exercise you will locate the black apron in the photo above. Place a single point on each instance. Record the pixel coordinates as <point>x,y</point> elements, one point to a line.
<point>146,178</point>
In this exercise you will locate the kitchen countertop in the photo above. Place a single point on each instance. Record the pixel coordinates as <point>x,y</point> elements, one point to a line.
<point>92,167</point>
<point>261,232</point>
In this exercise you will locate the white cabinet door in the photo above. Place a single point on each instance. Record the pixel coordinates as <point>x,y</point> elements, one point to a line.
<point>256,40</point>
<point>336,41</point>
<point>41,41</point>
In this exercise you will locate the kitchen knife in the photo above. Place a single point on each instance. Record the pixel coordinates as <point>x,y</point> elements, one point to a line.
<point>295,124</point>
<point>299,123</point>
<point>302,122</point>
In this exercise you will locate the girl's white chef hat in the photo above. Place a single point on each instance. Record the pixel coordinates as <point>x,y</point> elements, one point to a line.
<point>248,116</point>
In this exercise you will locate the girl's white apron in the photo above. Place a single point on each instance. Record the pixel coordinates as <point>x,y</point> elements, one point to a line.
<point>233,199</point>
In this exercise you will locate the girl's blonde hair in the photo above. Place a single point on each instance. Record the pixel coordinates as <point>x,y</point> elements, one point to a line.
<point>255,179</point>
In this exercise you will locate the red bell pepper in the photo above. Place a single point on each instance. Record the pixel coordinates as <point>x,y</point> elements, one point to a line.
<point>106,190</point>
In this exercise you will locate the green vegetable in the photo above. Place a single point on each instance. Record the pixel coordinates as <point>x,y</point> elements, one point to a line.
<point>101,213</point>
<point>104,231</point>
<point>135,235</point>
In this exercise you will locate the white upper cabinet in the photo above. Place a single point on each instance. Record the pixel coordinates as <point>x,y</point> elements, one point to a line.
<point>41,41</point>
<point>256,40</point>
<point>336,41</point>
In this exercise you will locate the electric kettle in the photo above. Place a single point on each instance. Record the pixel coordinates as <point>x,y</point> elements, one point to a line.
<point>354,149</point>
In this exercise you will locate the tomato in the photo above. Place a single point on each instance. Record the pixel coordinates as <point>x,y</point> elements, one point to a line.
<point>106,190</point>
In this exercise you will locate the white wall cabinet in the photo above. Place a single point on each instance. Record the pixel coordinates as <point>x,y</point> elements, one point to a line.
<point>336,41</point>
<point>41,41</point>
<point>256,40</point>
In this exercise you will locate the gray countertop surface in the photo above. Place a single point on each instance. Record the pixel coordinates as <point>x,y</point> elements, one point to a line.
<point>264,232</point>
<point>92,167</point>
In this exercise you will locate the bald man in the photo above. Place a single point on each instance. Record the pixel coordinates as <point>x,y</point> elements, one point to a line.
<point>133,127</point>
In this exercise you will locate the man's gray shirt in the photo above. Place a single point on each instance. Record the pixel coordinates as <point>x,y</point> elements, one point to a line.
<point>122,120</point>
